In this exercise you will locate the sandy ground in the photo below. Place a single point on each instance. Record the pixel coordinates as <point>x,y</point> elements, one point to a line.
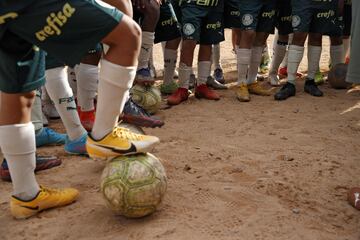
<point>258,170</point>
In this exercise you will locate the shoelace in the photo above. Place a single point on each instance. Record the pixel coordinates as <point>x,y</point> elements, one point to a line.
<point>126,133</point>
<point>50,190</point>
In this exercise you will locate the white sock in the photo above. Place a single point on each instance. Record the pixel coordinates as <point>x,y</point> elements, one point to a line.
<point>314,54</point>
<point>204,71</point>
<point>285,60</point>
<point>184,75</point>
<point>87,83</point>
<point>170,58</point>
<point>59,90</point>
<point>243,61</point>
<point>296,54</point>
<point>115,82</point>
<point>216,56</point>
<point>147,42</point>
<point>279,51</point>
<point>256,55</point>
<point>72,80</point>
<point>346,43</point>
<point>337,54</point>
<point>17,143</point>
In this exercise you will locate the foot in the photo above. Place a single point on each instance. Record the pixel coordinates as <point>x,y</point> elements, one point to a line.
<point>50,110</point>
<point>42,163</point>
<point>192,81</point>
<point>46,198</point>
<point>143,76</point>
<point>311,88</point>
<point>213,83</point>
<point>169,88</point>
<point>121,141</point>
<point>257,89</point>
<point>288,90</point>
<point>87,119</point>
<point>242,93</point>
<point>136,115</point>
<point>77,146</point>
<point>274,80</point>
<point>219,75</point>
<point>47,136</point>
<point>179,96</point>
<point>202,91</point>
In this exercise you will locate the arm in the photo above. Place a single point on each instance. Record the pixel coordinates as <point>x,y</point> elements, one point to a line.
<point>123,5</point>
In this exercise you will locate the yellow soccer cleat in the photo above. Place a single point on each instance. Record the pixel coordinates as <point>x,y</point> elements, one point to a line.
<point>121,141</point>
<point>242,93</point>
<point>257,89</point>
<point>46,198</point>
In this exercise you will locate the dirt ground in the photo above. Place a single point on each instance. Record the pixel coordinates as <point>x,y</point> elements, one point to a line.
<point>258,170</point>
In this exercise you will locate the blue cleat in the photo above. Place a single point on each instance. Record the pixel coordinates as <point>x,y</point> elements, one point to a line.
<point>47,136</point>
<point>219,75</point>
<point>143,76</point>
<point>77,146</point>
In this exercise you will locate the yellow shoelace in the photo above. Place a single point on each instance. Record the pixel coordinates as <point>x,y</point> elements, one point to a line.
<point>126,134</point>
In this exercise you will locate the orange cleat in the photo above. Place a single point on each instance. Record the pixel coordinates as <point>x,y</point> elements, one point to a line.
<point>179,96</point>
<point>202,91</point>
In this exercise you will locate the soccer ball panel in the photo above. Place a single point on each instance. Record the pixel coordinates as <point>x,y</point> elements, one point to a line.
<point>138,173</point>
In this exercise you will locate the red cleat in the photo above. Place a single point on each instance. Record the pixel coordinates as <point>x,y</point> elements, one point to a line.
<point>283,72</point>
<point>87,119</point>
<point>179,96</point>
<point>202,91</point>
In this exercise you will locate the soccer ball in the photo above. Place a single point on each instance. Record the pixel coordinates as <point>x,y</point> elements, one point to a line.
<point>148,97</point>
<point>133,186</point>
<point>337,76</point>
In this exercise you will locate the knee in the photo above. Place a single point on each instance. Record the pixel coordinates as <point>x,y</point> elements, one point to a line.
<point>152,11</point>
<point>335,41</point>
<point>131,35</point>
<point>134,32</point>
<point>299,39</point>
<point>315,39</point>
<point>126,34</point>
<point>30,96</point>
<point>29,99</point>
<point>248,35</point>
<point>188,46</point>
<point>283,38</point>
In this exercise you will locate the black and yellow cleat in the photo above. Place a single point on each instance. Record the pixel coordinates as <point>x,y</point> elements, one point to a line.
<point>121,141</point>
<point>46,198</point>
